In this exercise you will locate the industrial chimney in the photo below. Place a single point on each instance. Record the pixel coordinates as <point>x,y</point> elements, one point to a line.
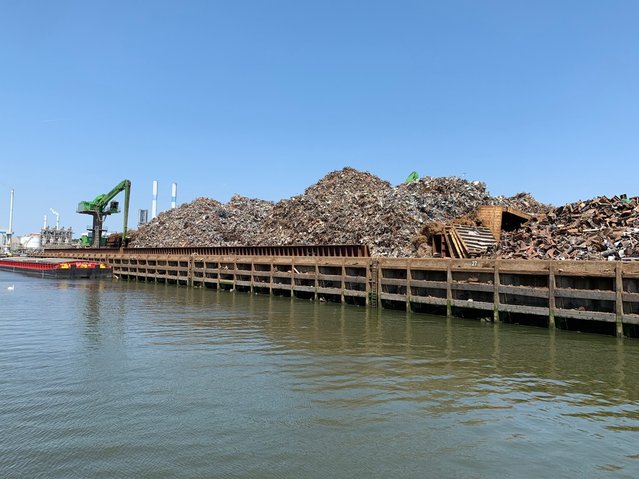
<point>173,195</point>
<point>154,204</point>
<point>10,232</point>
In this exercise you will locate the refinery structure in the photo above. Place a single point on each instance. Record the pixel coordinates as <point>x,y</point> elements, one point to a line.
<point>56,236</point>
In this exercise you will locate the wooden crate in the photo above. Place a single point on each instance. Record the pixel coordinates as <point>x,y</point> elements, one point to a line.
<point>499,218</point>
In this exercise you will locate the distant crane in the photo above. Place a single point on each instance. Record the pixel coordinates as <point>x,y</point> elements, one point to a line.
<point>57,218</point>
<point>102,206</point>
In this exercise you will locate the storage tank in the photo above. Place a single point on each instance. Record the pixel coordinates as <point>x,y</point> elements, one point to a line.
<point>31,241</point>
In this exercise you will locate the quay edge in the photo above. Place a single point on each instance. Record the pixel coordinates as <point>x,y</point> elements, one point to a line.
<point>593,296</point>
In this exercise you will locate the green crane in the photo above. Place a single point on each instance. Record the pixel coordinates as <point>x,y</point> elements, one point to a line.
<point>102,206</point>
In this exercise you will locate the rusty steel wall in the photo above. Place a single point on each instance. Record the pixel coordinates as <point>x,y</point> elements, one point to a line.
<point>348,251</point>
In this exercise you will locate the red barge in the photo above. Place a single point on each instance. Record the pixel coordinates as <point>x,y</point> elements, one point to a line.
<point>56,267</point>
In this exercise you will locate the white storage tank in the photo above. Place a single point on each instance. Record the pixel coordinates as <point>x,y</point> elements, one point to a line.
<point>31,241</point>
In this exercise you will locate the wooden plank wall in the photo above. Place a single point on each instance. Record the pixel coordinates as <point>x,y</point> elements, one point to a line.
<point>551,291</point>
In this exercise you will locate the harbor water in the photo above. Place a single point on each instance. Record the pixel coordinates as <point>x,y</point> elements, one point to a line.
<point>113,379</point>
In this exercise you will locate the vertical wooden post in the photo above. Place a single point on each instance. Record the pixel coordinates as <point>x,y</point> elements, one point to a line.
<point>316,282</point>
<point>190,273</point>
<point>409,277</point>
<point>343,280</point>
<point>234,273</point>
<point>378,284</point>
<point>619,298</point>
<point>293,277</point>
<point>551,295</point>
<point>252,288</point>
<point>497,282</point>
<point>368,284</point>
<point>449,290</point>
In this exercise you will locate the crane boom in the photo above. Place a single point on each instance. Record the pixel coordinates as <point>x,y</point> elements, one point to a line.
<point>102,206</point>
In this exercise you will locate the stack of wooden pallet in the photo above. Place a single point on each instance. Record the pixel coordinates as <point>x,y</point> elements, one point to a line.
<point>468,241</point>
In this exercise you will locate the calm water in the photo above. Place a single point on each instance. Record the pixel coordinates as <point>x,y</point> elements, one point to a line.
<point>116,380</point>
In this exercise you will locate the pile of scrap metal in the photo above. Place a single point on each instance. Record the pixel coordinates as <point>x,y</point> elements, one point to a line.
<point>598,229</point>
<point>344,207</point>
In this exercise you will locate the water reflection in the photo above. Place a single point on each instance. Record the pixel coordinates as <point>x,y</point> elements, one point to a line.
<point>407,347</point>
<point>322,389</point>
<point>92,312</point>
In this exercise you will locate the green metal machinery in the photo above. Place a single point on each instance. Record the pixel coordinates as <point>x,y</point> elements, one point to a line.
<point>103,206</point>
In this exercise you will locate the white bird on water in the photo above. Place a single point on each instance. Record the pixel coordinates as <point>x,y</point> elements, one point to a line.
<point>11,288</point>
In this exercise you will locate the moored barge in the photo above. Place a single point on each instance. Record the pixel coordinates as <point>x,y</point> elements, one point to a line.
<point>56,267</point>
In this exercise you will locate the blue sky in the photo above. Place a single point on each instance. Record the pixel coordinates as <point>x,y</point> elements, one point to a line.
<point>263,98</point>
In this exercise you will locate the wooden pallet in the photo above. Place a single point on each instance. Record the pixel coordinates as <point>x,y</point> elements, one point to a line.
<point>468,241</point>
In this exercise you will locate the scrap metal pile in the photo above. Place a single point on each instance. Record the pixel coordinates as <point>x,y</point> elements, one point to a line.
<point>522,202</point>
<point>345,207</point>
<point>354,207</point>
<point>598,229</point>
<point>204,222</point>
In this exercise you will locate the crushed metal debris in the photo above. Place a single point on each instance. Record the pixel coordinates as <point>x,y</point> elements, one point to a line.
<point>354,207</point>
<point>598,229</point>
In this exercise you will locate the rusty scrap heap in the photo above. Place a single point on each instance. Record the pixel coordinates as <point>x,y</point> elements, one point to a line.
<point>351,207</point>
<point>521,201</point>
<point>205,222</point>
<point>344,207</point>
<point>601,228</point>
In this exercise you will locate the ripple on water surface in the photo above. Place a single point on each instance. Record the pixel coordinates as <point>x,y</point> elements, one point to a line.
<point>114,379</point>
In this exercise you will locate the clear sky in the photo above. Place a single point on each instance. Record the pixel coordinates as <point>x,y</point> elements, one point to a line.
<point>263,98</point>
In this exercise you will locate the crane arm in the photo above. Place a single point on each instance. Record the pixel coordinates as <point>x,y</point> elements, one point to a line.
<point>127,194</point>
<point>99,208</point>
<point>102,200</point>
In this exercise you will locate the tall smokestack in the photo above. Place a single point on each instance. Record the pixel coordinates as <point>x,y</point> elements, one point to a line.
<point>10,233</point>
<point>173,194</point>
<point>45,223</point>
<point>154,204</point>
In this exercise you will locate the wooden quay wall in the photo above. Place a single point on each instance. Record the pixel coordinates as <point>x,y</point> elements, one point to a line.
<point>598,296</point>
